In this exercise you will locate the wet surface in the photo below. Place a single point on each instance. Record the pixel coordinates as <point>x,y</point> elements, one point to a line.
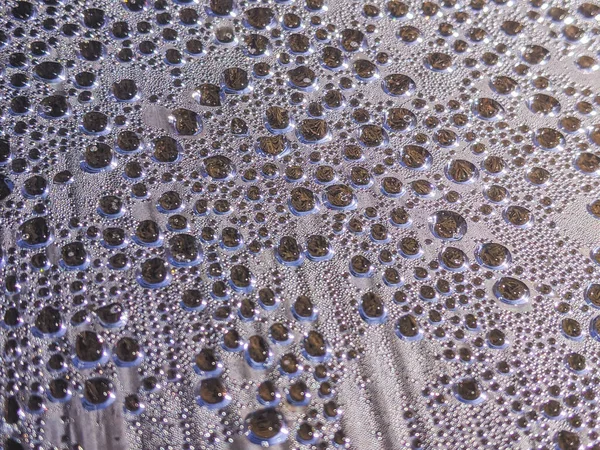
<point>299,224</point>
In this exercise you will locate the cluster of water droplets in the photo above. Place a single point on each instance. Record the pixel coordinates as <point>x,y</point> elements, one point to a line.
<point>229,220</point>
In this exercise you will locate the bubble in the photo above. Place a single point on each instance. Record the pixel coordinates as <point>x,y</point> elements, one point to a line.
<point>127,352</point>
<point>92,50</point>
<point>535,54</point>
<point>242,279</point>
<point>518,216</point>
<point>592,294</point>
<point>549,139</point>
<point>332,58</point>
<point>399,217</point>
<point>259,18</point>
<point>184,251</point>
<point>278,120</point>
<point>99,393</point>
<point>497,339</point>
<point>352,40</point>
<point>488,109</point>
<point>35,233</point>
<point>410,248</point>
<point>266,427</point>
<point>415,157</point>
<point>398,85</point>
<point>208,95</point>
<point>207,365</point>
<point>256,46</point>
<point>302,78</point>
<point>512,27</point>
<point>273,146</point>
<point>257,353</point>
<point>571,329</point>
<point>148,233</point>
<point>231,239</point>
<point>407,328</point>
<point>409,34</point>
<point>89,350</point>
<point>447,225</point>
<point>48,323</point>
<point>133,405</point>
<point>567,440</point>
<point>59,391</point>
<point>95,123</point>
<point>313,131</point>
<point>438,62</point>
<point>445,137</point>
<point>304,310</point>
<point>511,291</point>
<point>469,391</point>
<point>392,187</point>
<point>154,274</point>
<point>576,362</point>
<point>461,171</point>
<point>544,104</point>
<point>49,71</point>
<point>212,394</point>
<point>280,334</point>
<point>493,256</point>
<point>504,85</point>
<point>372,309</point>
<point>298,394</point>
<point>588,163</point>
<point>453,259</point>
<point>400,120</point>
<point>74,256</point>
<point>54,107</point>
<point>289,252</point>
<point>186,122</point>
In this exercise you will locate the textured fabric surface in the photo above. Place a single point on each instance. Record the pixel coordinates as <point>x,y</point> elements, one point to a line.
<point>299,224</point>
